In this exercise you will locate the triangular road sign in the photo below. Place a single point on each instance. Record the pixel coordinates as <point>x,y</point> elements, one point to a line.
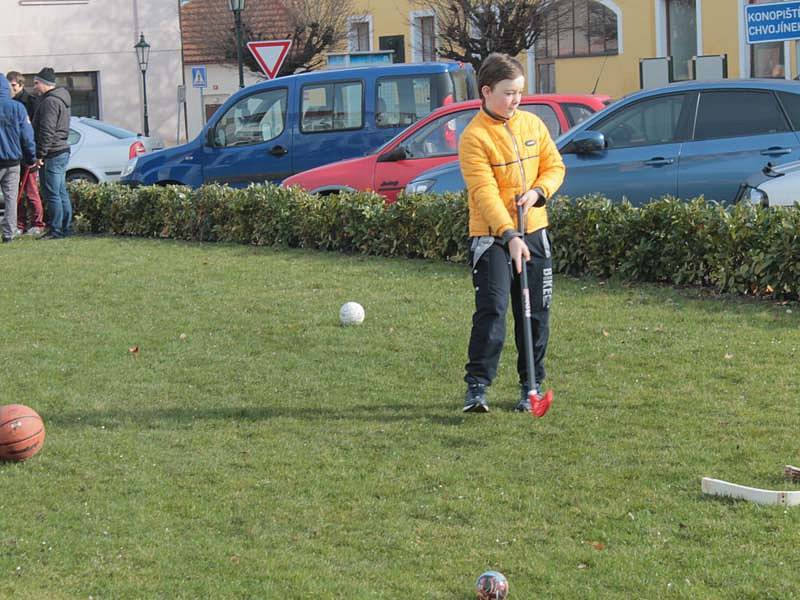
<point>270,55</point>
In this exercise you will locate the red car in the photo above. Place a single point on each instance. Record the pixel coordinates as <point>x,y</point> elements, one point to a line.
<point>431,142</point>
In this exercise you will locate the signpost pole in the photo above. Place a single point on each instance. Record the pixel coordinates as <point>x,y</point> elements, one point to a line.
<point>200,81</point>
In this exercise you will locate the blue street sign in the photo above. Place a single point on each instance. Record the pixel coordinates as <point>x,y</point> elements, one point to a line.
<point>199,77</point>
<point>776,22</point>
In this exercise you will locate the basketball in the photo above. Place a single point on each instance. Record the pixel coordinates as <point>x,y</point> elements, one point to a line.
<point>21,432</point>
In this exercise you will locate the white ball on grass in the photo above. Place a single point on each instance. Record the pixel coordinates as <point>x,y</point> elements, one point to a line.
<point>351,313</point>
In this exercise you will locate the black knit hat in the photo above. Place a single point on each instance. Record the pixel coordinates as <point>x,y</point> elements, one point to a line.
<point>46,76</point>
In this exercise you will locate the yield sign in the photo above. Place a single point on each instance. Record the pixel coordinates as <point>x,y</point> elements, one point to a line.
<point>270,55</point>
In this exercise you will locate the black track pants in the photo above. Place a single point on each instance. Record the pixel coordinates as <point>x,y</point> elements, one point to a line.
<point>495,279</point>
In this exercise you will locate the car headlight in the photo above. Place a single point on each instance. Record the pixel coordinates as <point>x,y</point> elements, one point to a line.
<point>420,187</point>
<point>129,167</point>
<point>757,197</point>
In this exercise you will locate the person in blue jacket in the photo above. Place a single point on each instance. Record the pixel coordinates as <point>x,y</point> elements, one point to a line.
<point>16,145</point>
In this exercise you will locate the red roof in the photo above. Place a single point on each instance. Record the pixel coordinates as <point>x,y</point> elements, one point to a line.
<point>205,24</point>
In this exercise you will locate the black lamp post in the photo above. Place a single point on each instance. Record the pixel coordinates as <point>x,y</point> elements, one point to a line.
<point>237,6</point>
<point>143,55</point>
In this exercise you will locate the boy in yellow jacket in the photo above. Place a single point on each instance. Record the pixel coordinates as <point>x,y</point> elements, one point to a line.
<point>507,158</point>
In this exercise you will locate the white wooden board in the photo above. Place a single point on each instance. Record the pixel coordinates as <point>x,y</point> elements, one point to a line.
<point>717,487</point>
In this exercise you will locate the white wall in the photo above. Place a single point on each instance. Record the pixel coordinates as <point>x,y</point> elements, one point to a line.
<point>98,35</point>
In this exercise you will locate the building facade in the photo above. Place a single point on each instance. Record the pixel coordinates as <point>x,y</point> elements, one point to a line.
<point>591,45</point>
<point>90,45</point>
<point>597,44</point>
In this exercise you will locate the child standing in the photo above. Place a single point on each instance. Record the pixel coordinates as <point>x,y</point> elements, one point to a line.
<point>507,159</point>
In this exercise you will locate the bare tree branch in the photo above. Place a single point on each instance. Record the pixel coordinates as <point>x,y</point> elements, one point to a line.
<point>314,26</point>
<point>470,30</point>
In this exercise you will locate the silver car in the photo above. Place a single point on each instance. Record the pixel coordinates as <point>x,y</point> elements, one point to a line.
<point>99,151</point>
<point>774,185</point>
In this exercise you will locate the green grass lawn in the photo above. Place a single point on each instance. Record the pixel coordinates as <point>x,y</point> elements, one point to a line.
<point>254,448</point>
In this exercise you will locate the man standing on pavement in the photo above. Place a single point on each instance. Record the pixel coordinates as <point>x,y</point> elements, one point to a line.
<point>51,125</point>
<point>16,144</point>
<point>33,211</point>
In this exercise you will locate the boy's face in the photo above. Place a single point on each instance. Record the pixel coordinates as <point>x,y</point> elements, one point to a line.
<point>15,86</point>
<point>504,97</point>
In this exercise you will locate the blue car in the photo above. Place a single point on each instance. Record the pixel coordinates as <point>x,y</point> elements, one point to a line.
<point>273,129</point>
<point>684,140</point>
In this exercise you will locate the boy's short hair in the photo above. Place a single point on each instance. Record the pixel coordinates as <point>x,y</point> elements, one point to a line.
<point>497,67</point>
<point>15,76</point>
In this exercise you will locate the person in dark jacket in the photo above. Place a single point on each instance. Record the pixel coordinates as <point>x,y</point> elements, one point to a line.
<point>16,82</point>
<point>51,125</point>
<point>16,144</point>
<point>32,210</point>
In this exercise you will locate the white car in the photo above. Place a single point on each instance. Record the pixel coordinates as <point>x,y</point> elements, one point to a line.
<point>99,151</point>
<point>774,185</point>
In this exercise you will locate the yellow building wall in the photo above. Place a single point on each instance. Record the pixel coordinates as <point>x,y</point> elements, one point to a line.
<point>720,30</point>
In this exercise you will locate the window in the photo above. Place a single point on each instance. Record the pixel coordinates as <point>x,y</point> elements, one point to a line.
<point>74,137</point>
<point>649,122</point>
<point>332,107</point>
<point>255,119</point>
<point>439,137</point>
<point>82,89</point>
<point>404,100</point>
<point>463,88</point>
<point>577,113</point>
<point>397,44</point>
<point>681,36</point>
<point>401,101</point>
<point>791,103</point>
<point>547,115</point>
<point>545,77</point>
<point>112,130</point>
<point>738,113</point>
<point>428,39</point>
<point>767,59</point>
<point>578,28</point>
<point>423,36</point>
<point>360,39</point>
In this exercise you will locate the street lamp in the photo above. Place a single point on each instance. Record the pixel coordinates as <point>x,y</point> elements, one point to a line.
<point>237,6</point>
<point>143,55</point>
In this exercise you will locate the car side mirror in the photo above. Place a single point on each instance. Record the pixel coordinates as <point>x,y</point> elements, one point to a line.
<point>210,137</point>
<point>399,153</point>
<point>587,142</point>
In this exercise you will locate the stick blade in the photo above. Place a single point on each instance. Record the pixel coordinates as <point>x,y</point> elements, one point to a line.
<point>540,404</point>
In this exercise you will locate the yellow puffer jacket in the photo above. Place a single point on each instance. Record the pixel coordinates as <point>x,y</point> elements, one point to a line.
<point>488,151</point>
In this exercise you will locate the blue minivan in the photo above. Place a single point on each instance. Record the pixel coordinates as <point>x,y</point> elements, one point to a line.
<point>273,129</point>
<point>684,140</point>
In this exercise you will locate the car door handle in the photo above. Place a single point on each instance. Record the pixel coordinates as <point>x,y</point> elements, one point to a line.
<point>776,151</point>
<point>278,151</point>
<point>659,161</point>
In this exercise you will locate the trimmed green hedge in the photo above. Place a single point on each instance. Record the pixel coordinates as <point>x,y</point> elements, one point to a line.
<point>741,249</point>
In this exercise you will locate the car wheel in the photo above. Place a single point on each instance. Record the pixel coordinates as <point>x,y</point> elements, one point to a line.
<point>79,175</point>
